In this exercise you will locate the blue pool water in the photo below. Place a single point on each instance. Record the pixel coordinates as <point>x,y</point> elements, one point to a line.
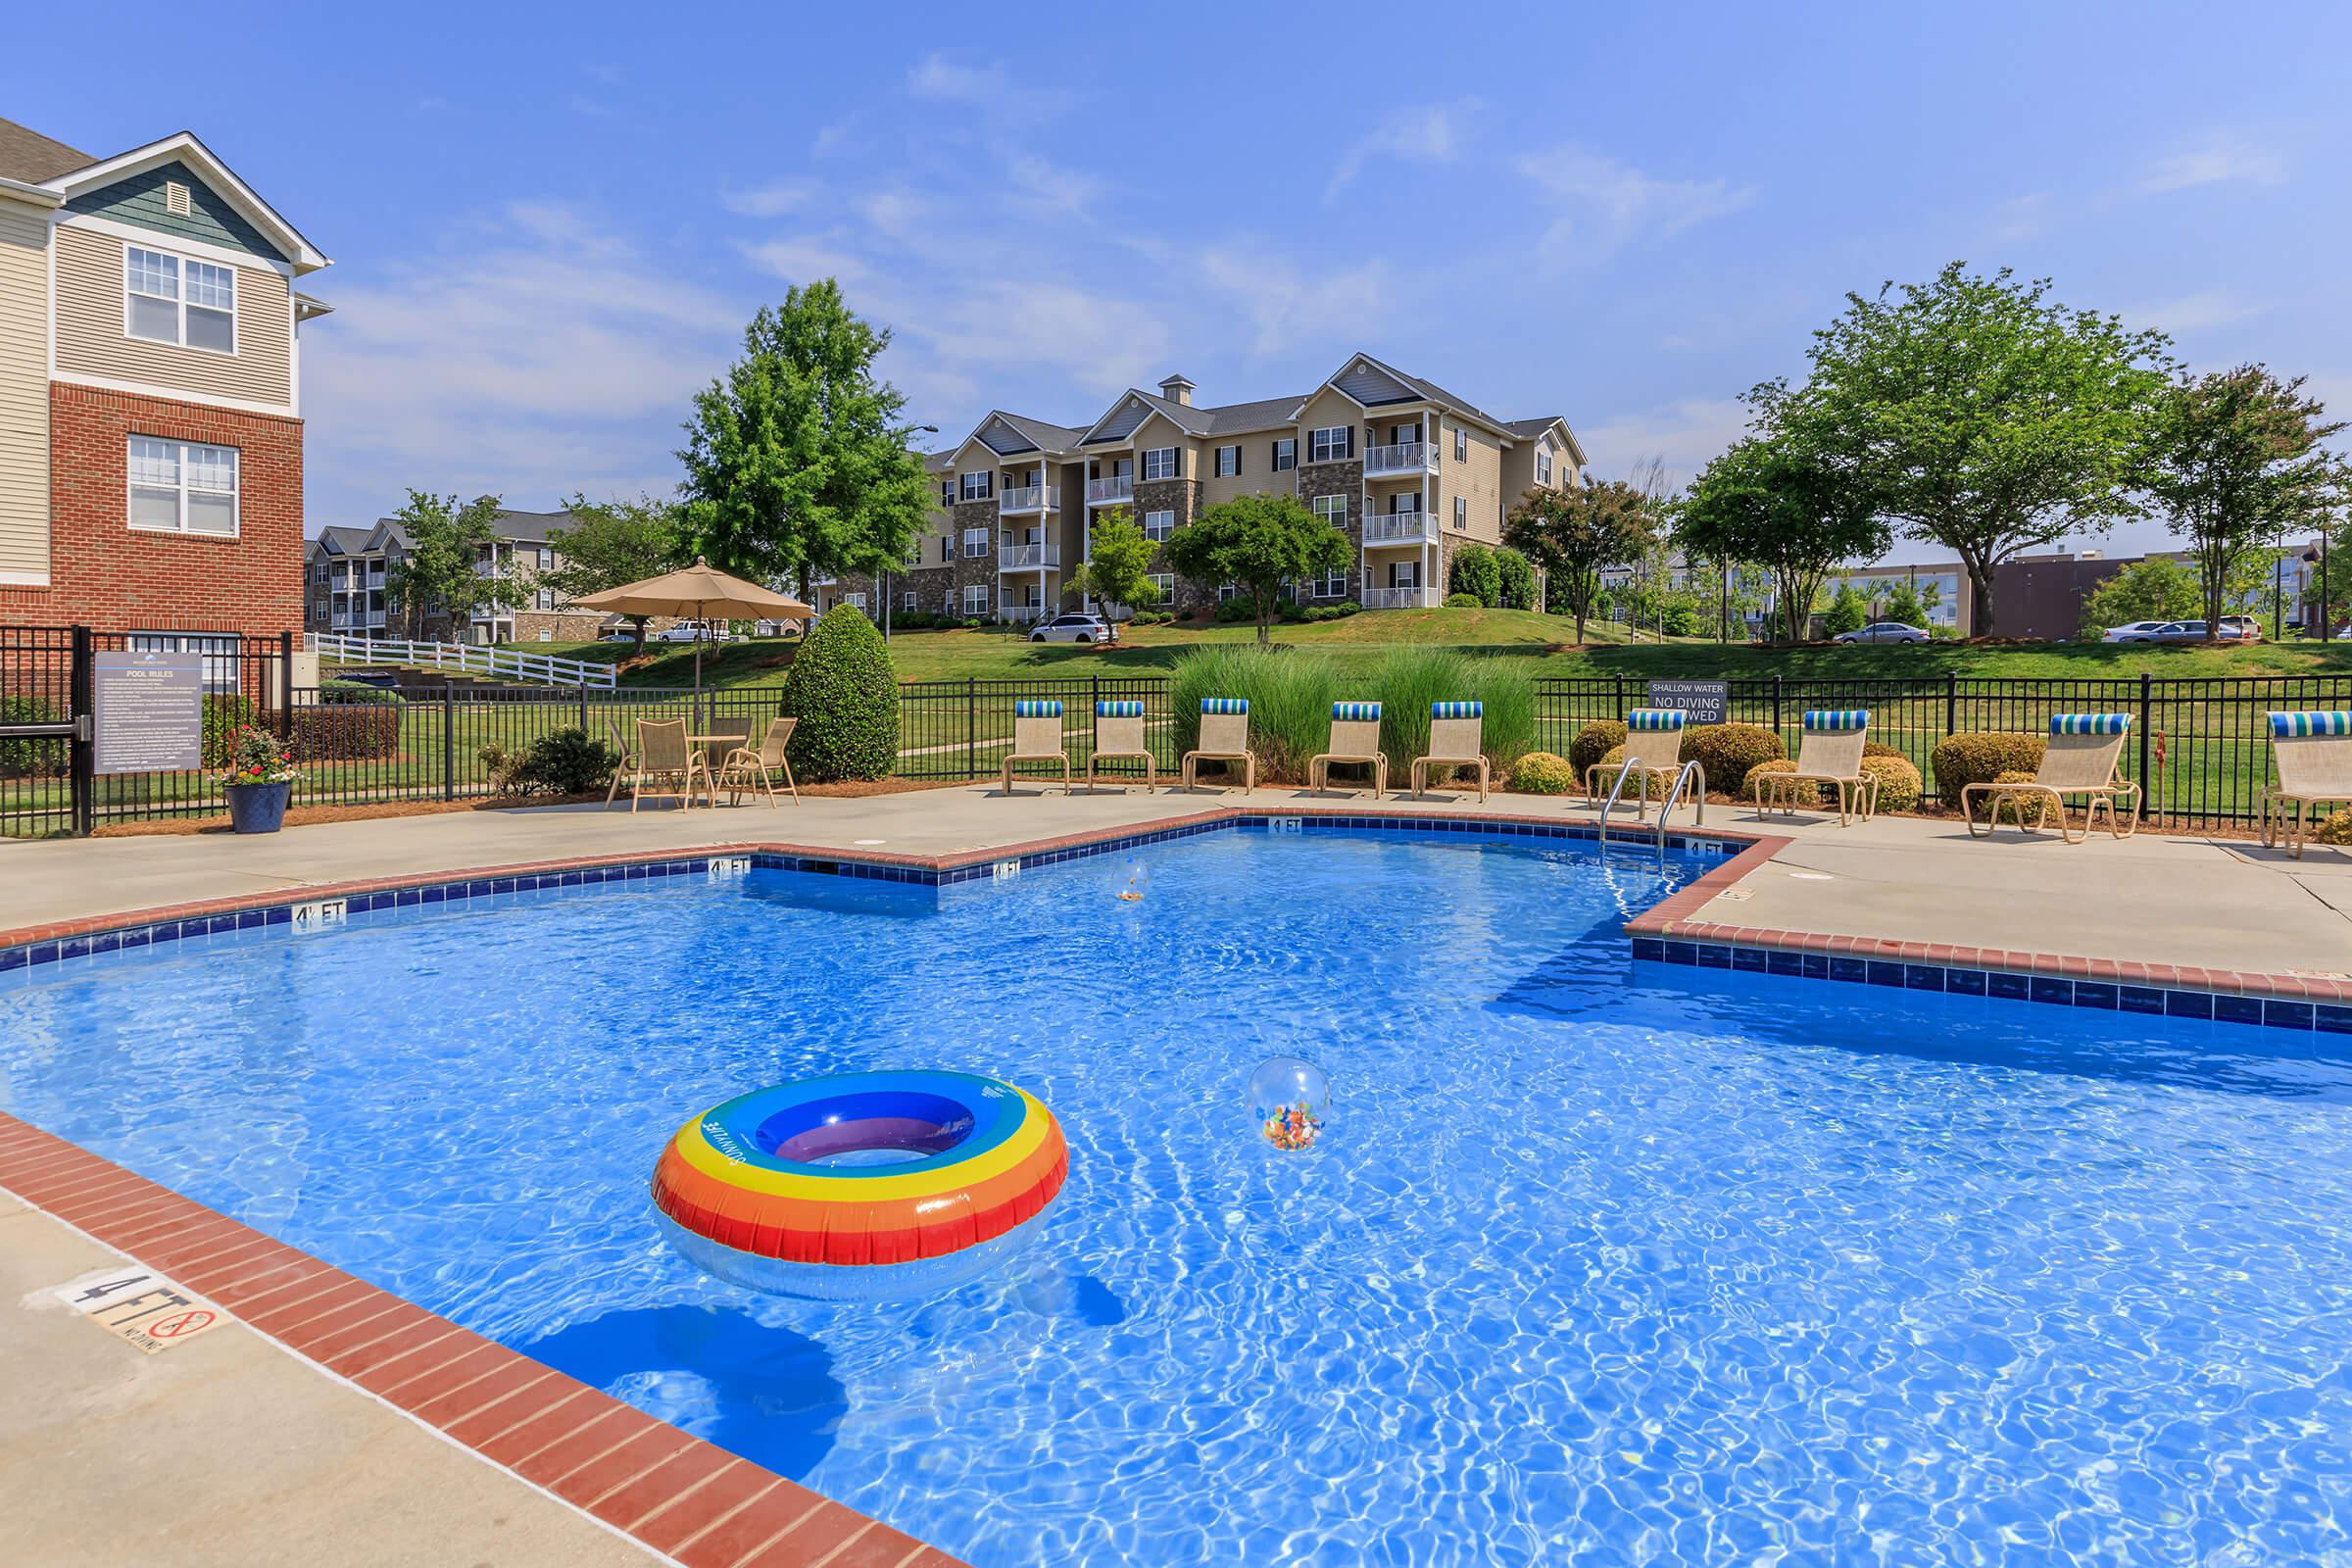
<point>1585,1268</point>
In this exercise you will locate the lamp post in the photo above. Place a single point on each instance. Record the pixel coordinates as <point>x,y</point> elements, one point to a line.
<point>882,573</point>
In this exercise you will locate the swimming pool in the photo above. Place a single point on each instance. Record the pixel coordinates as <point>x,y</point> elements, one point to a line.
<point>1596,1260</point>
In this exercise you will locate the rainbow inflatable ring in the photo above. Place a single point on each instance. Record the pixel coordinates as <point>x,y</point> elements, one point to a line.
<point>863,1186</point>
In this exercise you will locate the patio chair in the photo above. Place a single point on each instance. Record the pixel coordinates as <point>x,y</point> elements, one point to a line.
<point>1354,741</point>
<point>624,770</point>
<point>2080,760</point>
<point>667,763</point>
<point>2313,754</point>
<point>754,769</point>
<point>1224,738</point>
<point>1120,734</point>
<point>1457,739</point>
<point>1036,738</point>
<point>1829,750</point>
<point>1653,745</point>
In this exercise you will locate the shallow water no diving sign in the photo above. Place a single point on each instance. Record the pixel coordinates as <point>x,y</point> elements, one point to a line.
<point>141,1307</point>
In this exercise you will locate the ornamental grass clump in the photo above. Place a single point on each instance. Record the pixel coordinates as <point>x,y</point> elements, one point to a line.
<point>1290,696</point>
<point>1406,681</point>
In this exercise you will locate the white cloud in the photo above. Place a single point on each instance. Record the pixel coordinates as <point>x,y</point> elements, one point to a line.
<point>938,77</point>
<point>1604,205</point>
<point>1428,133</point>
<point>1684,434</point>
<point>771,200</point>
<point>1287,310</point>
<point>2226,158</point>
<point>2022,217</point>
<point>2211,306</point>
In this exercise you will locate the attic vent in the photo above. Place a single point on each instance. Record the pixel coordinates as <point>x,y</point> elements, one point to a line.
<point>175,198</point>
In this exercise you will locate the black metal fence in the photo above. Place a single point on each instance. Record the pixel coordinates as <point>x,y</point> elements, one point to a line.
<point>2201,748</point>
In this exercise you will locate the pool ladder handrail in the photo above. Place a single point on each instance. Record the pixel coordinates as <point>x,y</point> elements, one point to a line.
<point>1698,802</point>
<point>1624,772</point>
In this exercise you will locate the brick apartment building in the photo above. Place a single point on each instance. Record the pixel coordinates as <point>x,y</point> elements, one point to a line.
<point>150,394</point>
<point>350,574</point>
<point>1406,470</point>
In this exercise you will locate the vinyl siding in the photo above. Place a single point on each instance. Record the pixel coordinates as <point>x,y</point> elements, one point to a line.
<point>1371,387</point>
<point>1323,412</point>
<point>1479,479</point>
<point>91,342</point>
<point>24,394</point>
<point>1161,431</point>
<point>141,200</point>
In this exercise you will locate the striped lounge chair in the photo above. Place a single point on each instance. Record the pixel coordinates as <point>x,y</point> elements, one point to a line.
<point>1456,740</point>
<point>1354,741</point>
<point>1224,738</point>
<point>1653,751</point>
<point>2313,754</point>
<point>2080,760</point>
<point>1036,738</point>
<point>1120,734</point>
<point>1829,750</point>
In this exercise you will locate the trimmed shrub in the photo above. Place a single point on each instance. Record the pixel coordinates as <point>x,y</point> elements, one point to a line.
<point>1592,743</point>
<point>846,695</point>
<point>2013,808</point>
<point>1980,758</point>
<point>1316,613</point>
<point>342,731</point>
<point>1899,783</point>
<point>1778,764</point>
<point>1882,748</point>
<point>1543,773</point>
<point>565,761</point>
<point>1476,576</point>
<point>359,691</point>
<point>1465,602</point>
<point>1661,779</point>
<point>26,759</point>
<point>1728,751</point>
<point>2337,829</point>
<point>1517,580</point>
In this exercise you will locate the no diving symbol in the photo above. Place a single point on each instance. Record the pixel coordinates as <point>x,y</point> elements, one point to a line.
<point>179,1323</point>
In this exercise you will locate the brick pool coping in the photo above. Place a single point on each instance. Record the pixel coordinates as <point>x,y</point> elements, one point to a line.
<point>688,1498</point>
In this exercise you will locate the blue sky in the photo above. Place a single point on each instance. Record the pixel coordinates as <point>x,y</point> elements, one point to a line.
<point>549,228</point>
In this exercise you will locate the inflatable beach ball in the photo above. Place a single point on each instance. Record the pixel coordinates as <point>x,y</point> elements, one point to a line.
<point>1290,1102</point>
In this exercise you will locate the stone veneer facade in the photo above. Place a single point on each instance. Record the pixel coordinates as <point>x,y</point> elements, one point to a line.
<point>1347,480</point>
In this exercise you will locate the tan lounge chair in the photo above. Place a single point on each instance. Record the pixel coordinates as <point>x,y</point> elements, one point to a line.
<point>1120,734</point>
<point>752,769</point>
<point>1036,738</point>
<point>1224,738</point>
<point>1355,741</point>
<point>1829,750</point>
<point>1457,739</point>
<point>2080,760</point>
<point>1653,746</point>
<point>624,770</point>
<point>2313,754</point>
<point>667,764</point>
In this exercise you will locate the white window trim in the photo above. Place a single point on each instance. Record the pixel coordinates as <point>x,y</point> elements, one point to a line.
<point>975,605</point>
<point>1165,582</point>
<point>1335,443</point>
<point>1461,444</point>
<point>1542,465</point>
<point>236,494</point>
<point>1234,453</point>
<point>1462,514</point>
<point>986,492</point>
<point>975,543</point>
<point>1332,510</point>
<point>1286,463</point>
<point>1175,466</point>
<point>180,303</point>
<point>1166,528</point>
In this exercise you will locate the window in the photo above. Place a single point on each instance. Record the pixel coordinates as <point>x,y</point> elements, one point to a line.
<point>1543,465</point>
<point>977,486</point>
<point>1160,463</point>
<point>975,542</point>
<point>1461,444</point>
<point>183,487</point>
<point>1332,510</point>
<point>170,300</point>
<point>220,653</point>
<point>975,599</point>
<point>1286,454</point>
<point>1461,513</point>
<point>1334,585</point>
<point>1165,582</point>
<point>947,492</point>
<point>858,600</point>
<point>1229,462</point>
<point>1226,591</point>
<point>543,599</point>
<point>1331,445</point>
<point>907,600</point>
<point>1158,524</point>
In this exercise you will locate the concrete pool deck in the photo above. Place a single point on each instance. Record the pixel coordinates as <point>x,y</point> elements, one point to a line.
<point>319,1457</point>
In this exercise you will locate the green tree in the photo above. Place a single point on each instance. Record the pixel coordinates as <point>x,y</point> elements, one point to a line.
<point>1849,610</point>
<point>1572,534</point>
<point>1517,578</point>
<point>1118,567</point>
<point>1258,543</point>
<point>1477,573</point>
<point>2236,461</point>
<point>440,573</point>
<point>2151,589</point>
<point>1778,500</point>
<point>796,462</point>
<point>608,543</point>
<point>1985,417</point>
<point>1902,602</point>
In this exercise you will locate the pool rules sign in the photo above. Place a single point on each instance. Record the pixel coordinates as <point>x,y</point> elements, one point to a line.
<point>149,712</point>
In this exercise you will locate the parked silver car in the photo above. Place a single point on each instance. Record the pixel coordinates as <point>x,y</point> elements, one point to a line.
<point>2129,631</point>
<point>1884,631</point>
<point>1071,628</point>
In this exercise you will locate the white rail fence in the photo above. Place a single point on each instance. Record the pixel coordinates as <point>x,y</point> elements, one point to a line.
<point>541,669</point>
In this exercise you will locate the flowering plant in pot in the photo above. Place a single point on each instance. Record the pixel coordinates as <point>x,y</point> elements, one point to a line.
<point>259,775</point>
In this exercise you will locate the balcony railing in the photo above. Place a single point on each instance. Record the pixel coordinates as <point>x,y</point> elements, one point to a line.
<point>1031,498</point>
<point>1403,456</point>
<point>1399,598</point>
<point>1021,615</point>
<point>1027,558</point>
<point>1400,527</point>
<point>1110,492</point>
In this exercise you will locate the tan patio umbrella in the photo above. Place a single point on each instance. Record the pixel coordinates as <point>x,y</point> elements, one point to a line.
<point>698,592</point>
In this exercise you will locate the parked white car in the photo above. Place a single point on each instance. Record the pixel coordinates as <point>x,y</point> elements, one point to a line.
<point>693,631</point>
<point>2130,631</point>
<point>1072,628</point>
<point>1884,631</point>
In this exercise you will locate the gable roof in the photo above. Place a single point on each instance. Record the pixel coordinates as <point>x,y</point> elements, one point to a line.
<point>1529,429</point>
<point>28,156</point>
<point>300,254</point>
<point>1228,419</point>
<point>1420,390</point>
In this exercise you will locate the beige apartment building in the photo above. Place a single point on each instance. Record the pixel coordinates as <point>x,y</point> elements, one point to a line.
<point>1406,470</point>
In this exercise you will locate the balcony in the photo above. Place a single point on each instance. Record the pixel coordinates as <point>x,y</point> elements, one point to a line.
<point>1115,491</point>
<point>1028,558</point>
<point>1031,498</point>
<point>1399,598</point>
<point>1401,458</point>
<point>1400,527</point>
